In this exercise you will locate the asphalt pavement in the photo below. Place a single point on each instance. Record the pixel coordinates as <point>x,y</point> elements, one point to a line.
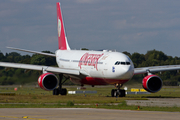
<point>83,114</point>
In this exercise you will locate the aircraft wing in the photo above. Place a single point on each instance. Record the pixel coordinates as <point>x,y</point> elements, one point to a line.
<point>156,69</point>
<point>30,51</point>
<point>43,68</point>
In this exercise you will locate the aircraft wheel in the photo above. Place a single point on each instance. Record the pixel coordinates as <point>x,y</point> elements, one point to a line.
<point>56,91</point>
<point>114,93</point>
<point>63,91</point>
<point>122,93</point>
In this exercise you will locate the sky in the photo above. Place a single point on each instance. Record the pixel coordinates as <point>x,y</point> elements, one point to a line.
<point>121,25</point>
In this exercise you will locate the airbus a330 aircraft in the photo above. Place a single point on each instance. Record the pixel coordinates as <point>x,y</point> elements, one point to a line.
<point>90,67</point>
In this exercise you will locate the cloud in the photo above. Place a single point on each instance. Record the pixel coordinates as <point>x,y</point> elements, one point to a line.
<point>118,24</point>
<point>145,24</point>
<point>86,1</point>
<point>22,1</point>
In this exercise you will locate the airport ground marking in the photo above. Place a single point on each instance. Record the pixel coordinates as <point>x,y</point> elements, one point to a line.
<point>24,117</point>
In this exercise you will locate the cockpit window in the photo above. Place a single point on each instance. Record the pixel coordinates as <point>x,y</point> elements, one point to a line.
<point>117,63</point>
<point>122,63</point>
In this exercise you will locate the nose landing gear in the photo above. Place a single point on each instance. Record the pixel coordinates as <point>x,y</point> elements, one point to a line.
<point>118,92</point>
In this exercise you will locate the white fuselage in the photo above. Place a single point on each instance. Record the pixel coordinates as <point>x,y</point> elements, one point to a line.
<point>97,64</point>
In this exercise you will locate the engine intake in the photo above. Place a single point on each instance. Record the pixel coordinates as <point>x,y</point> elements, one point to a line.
<point>152,83</point>
<point>48,81</point>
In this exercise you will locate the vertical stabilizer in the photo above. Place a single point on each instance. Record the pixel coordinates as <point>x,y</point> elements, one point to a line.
<point>63,44</point>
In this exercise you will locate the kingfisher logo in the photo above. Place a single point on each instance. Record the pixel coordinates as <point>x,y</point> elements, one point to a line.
<point>39,80</point>
<point>90,60</point>
<point>59,27</point>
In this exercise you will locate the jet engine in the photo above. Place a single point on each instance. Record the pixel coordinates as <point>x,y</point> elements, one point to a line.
<point>152,83</point>
<point>48,81</point>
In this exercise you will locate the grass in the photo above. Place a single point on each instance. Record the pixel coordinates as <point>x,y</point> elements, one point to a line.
<point>32,97</point>
<point>120,106</point>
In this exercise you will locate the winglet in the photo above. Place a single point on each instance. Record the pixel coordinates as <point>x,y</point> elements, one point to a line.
<point>63,44</point>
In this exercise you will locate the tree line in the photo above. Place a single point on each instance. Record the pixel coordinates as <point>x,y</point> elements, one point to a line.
<point>9,76</point>
<point>156,58</point>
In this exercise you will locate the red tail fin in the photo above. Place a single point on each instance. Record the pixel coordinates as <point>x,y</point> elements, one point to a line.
<point>63,44</point>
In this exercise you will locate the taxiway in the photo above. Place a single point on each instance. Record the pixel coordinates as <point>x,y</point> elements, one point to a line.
<point>82,114</point>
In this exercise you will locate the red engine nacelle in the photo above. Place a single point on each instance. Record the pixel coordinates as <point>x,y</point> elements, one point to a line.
<point>152,83</point>
<point>48,81</point>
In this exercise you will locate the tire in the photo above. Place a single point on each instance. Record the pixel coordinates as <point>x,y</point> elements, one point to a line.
<point>112,93</point>
<point>122,93</point>
<point>63,91</point>
<point>56,91</point>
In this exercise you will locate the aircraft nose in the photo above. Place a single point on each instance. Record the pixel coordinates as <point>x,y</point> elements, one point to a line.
<point>127,72</point>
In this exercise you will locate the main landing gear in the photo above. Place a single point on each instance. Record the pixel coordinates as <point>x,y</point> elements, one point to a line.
<point>60,90</point>
<point>118,92</point>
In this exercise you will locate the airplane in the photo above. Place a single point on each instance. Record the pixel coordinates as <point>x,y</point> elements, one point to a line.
<point>90,67</point>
